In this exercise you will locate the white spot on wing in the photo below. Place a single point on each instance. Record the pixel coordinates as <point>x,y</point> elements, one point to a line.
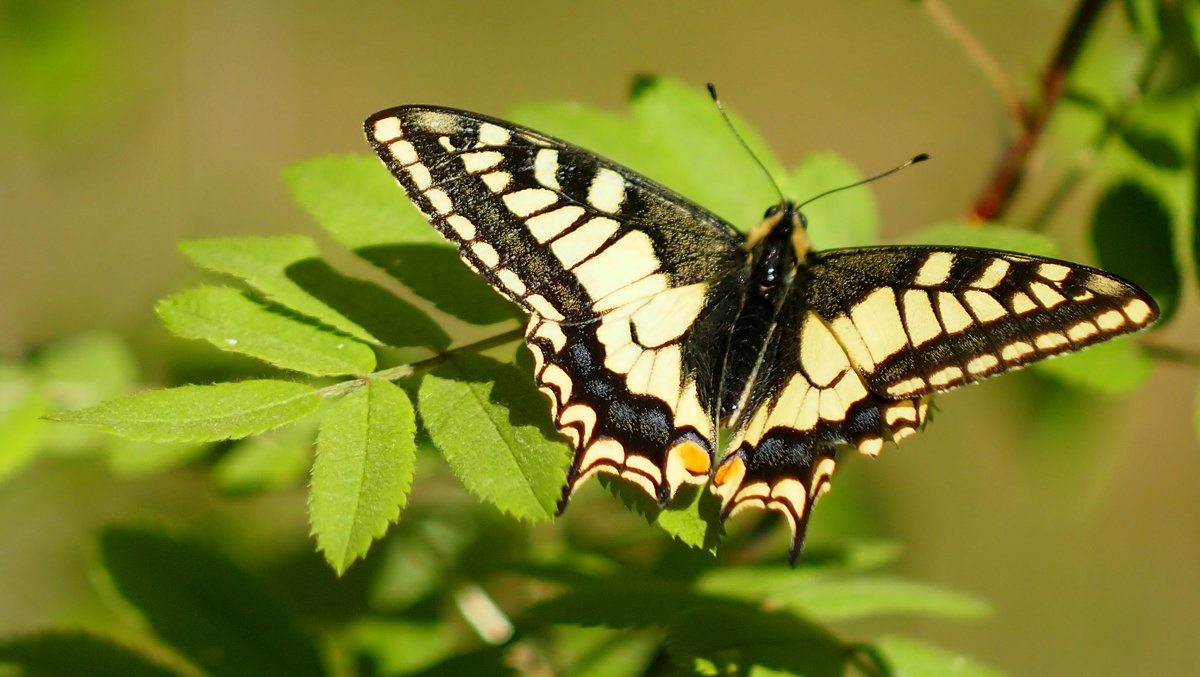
<point>582,242</point>
<point>486,254</point>
<point>530,200</point>
<point>922,324</point>
<point>387,129</point>
<point>607,190</point>
<point>935,270</point>
<point>481,161</point>
<point>403,151</point>
<point>545,168</point>
<point>493,135</point>
<point>546,226</point>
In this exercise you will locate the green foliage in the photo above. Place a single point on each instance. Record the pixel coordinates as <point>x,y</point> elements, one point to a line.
<point>492,428</point>
<point>222,411</point>
<point>364,468</point>
<point>629,604</point>
<point>229,320</point>
<point>206,607</point>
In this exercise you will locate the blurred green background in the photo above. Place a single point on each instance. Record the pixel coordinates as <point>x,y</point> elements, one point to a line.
<point>129,126</point>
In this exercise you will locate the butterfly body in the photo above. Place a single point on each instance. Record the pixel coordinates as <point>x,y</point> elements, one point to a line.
<point>653,323</point>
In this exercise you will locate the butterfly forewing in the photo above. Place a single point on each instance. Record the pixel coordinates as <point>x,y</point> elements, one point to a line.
<point>627,283</point>
<point>918,320</point>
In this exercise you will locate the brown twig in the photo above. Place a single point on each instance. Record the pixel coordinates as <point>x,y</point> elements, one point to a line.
<point>998,193</point>
<point>983,59</point>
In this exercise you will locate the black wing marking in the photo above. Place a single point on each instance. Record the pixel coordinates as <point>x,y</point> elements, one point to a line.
<point>867,334</point>
<point>628,284</point>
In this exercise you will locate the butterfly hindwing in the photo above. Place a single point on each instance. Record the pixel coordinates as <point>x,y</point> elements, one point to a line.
<point>627,283</point>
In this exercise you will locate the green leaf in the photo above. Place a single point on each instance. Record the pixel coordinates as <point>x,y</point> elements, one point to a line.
<point>358,202</point>
<point>699,156</point>
<point>846,219</point>
<point>903,657</point>
<point>209,413</point>
<point>366,450</point>
<point>264,263</point>
<point>79,654</point>
<point>610,135</point>
<point>1113,367</point>
<point>273,460</point>
<point>231,321</point>
<point>827,598</point>
<point>493,428</point>
<point>676,137</point>
<point>958,234</point>
<point>693,518</point>
<point>206,607</point>
<point>288,270</point>
<point>1131,229</point>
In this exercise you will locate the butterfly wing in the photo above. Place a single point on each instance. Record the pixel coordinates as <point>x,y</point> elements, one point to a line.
<point>627,284</point>
<point>866,334</point>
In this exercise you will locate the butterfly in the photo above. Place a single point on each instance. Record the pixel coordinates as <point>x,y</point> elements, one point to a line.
<point>653,324</point>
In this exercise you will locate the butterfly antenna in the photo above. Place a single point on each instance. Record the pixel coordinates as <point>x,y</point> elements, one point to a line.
<point>712,91</point>
<point>919,158</point>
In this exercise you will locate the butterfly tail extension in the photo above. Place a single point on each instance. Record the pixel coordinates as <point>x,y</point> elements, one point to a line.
<point>785,473</point>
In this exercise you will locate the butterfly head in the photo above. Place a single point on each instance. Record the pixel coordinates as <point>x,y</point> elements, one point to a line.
<point>782,237</point>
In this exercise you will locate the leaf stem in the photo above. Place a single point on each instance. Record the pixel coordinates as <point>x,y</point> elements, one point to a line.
<point>998,193</point>
<point>403,370</point>
<point>983,59</point>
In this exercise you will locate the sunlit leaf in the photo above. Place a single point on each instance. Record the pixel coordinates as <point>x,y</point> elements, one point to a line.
<point>492,427</point>
<point>697,154</point>
<point>231,321</point>
<point>692,518</point>
<point>209,413</point>
<point>358,202</point>
<point>363,470</point>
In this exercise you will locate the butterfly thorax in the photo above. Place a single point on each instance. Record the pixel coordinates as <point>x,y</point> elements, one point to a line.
<point>777,247</point>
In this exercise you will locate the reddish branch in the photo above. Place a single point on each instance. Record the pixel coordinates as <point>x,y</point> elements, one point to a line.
<point>998,193</point>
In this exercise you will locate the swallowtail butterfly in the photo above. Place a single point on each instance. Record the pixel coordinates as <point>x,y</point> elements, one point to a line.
<point>653,323</point>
